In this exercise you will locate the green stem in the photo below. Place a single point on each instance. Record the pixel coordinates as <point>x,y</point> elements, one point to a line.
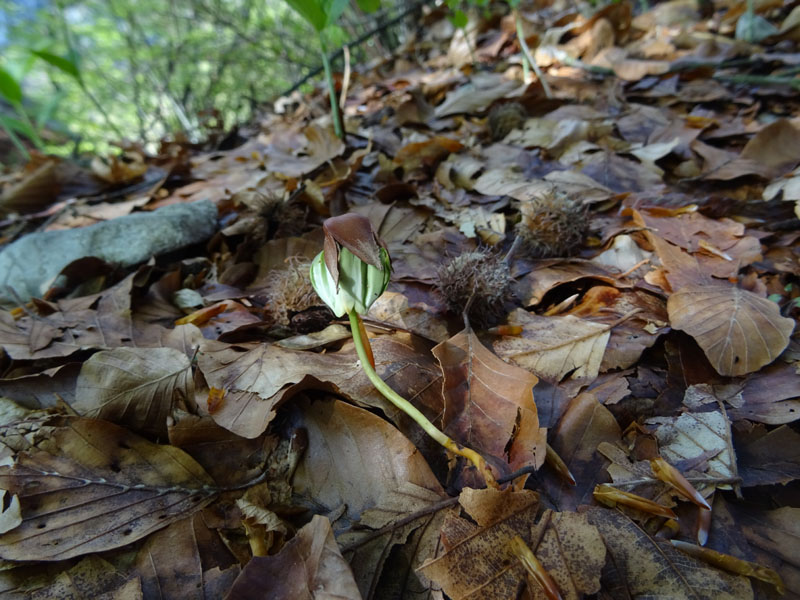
<point>337,122</point>
<point>529,56</point>
<point>16,141</point>
<point>411,410</point>
<point>526,69</point>
<point>37,141</point>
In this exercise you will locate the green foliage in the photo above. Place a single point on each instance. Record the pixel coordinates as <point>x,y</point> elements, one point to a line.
<point>320,13</point>
<point>188,68</point>
<point>10,88</point>
<point>62,64</point>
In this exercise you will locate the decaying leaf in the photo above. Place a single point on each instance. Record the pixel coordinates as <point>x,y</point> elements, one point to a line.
<point>309,566</point>
<point>738,331</point>
<point>188,559</point>
<point>584,426</point>
<point>768,457</point>
<point>554,347</point>
<point>639,566</point>
<point>698,439</point>
<point>134,387</point>
<point>366,475</point>
<point>489,405</point>
<point>478,561</point>
<point>257,377</point>
<point>92,486</point>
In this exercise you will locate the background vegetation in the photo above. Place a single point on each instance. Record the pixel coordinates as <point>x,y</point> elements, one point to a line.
<point>149,68</point>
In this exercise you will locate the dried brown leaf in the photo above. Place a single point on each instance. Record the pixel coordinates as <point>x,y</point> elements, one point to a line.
<point>640,566</point>
<point>361,468</point>
<point>554,347</point>
<point>92,486</point>
<point>766,458</point>
<point>309,566</point>
<point>478,561</point>
<point>489,405</point>
<point>738,331</point>
<point>187,560</point>
<point>257,377</point>
<point>583,427</point>
<point>134,387</point>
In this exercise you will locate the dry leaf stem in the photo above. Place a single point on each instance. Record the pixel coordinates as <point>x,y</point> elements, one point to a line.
<point>362,343</point>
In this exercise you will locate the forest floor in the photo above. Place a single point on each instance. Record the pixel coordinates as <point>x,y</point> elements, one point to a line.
<point>595,286</point>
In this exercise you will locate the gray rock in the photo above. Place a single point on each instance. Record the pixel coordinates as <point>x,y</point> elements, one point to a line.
<point>29,265</point>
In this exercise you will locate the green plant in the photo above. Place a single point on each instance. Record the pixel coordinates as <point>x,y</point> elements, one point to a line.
<point>11,90</point>
<point>321,14</point>
<point>528,60</point>
<point>351,273</point>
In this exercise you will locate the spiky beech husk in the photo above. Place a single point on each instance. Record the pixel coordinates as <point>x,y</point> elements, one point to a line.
<point>552,225</point>
<point>288,291</point>
<point>482,276</point>
<point>505,118</point>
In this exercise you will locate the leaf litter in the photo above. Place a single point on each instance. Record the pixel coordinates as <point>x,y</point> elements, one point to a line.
<point>202,422</point>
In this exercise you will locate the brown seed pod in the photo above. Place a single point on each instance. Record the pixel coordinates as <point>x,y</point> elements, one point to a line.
<point>552,225</point>
<point>480,276</point>
<point>288,291</point>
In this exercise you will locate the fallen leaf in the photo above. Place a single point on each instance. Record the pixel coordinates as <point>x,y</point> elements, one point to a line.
<point>766,458</point>
<point>258,377</point>
<point>478,561</point>
<point>554,347</point>
<point>134,387</point>
<point>308,566</point>
<point>738,331</point>
<point>640,566</point>
<point>477,95</point>
<point>92,577</point>
<point>698,438</point>
<point>188,559</point>
<point>94,472</point>
<point>362,470</point>
<point>488,405</point>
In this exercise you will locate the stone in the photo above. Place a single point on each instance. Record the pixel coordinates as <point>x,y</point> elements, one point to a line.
<point>29,265</point>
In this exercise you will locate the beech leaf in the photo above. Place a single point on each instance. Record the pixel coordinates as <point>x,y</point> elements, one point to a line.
<point>308,566</point>
<point>478,562</point>
<point>489,405</point>
<point>642,567</point>
<point>738,331</point>
<point>134,387</point>
<point>554,347</point>
<point>92,486</point>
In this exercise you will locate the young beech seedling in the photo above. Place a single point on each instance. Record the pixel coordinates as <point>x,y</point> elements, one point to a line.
<point>350,273</point>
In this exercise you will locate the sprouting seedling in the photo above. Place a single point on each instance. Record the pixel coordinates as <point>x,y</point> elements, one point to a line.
<point>349,275</point>
<point>321,14</point>
<point>11,90</point>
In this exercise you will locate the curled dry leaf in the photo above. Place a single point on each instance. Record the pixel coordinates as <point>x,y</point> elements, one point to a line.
<point>489,404</point>
<point>134,387</point>
<point>92,486</point>
<point>308,566</point>
<point>738,331</point>
<point>257,377</point>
